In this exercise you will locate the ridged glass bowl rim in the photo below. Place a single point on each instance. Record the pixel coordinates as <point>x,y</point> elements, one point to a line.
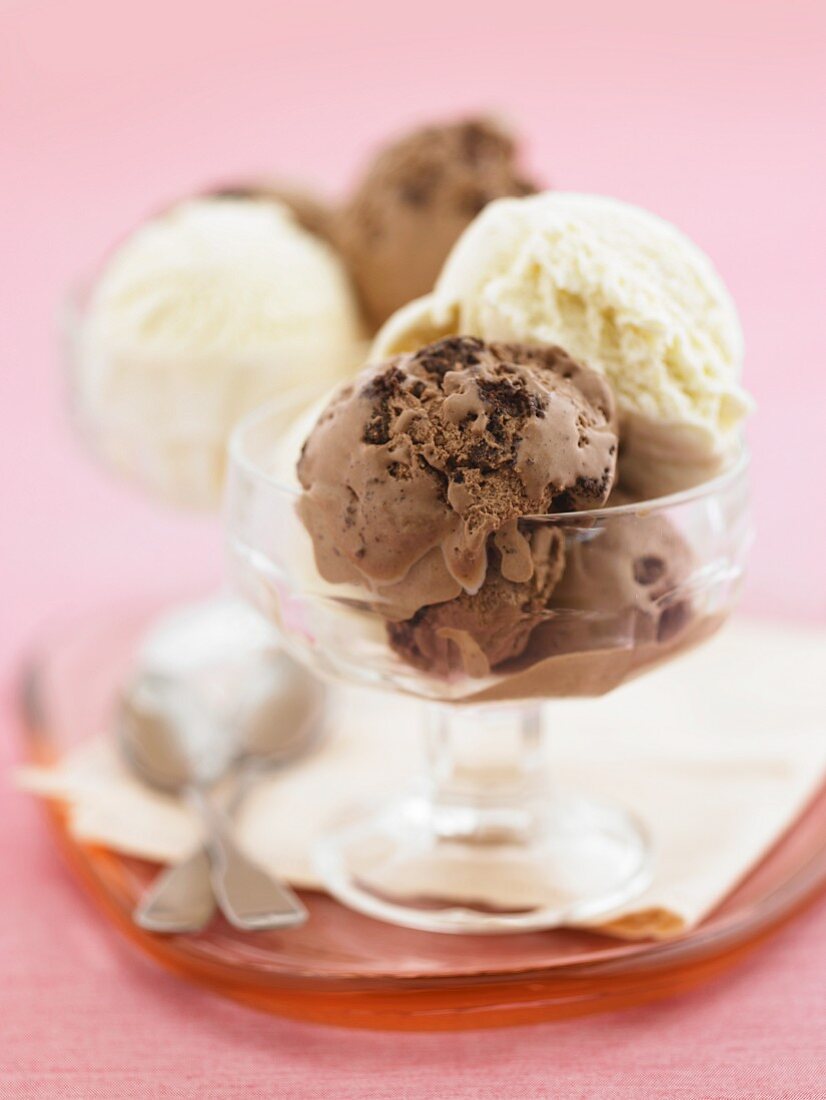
<point>241,462</point>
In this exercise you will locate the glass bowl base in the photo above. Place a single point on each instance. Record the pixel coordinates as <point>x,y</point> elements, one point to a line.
<point>446,869</point>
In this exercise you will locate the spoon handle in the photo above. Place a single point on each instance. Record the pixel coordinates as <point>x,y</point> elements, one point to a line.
<point>180,899</point>
<point>248,896</point>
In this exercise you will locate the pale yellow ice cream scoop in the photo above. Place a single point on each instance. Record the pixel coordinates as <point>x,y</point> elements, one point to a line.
<point>619,289</point>
<point>206,311</point>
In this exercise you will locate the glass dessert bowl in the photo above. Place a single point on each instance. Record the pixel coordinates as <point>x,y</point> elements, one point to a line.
<point>482,842</point>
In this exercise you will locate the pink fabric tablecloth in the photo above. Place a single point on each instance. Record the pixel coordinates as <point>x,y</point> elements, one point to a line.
<point>712,116</point>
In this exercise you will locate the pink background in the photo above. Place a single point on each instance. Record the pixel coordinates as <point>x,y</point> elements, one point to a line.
<point>709,113</point>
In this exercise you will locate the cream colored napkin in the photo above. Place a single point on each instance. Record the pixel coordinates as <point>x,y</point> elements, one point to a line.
<point>717,753</point>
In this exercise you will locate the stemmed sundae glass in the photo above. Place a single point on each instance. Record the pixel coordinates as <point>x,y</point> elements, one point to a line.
<point>211,306</point>
<point>484,841</point>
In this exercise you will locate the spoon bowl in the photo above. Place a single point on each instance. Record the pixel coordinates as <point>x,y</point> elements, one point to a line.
<point>172,743</point>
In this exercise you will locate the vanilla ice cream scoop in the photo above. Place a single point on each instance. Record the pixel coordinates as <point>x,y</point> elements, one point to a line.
<point>206,311</point>
<point>619,289</point>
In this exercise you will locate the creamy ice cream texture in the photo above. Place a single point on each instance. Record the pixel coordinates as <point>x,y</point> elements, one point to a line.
<point>420,460</point>
<point>424,486</point>
<point>203,313</point>
<point>620,290</point>
<point>416,477</point>
<point>478,631</point>
<point>414,200</point>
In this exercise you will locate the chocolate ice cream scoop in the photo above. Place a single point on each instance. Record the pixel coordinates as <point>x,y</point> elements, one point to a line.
<point>476,632</point>
<point>415,465</point>
<point>415,200</point>
<point>633,563</point>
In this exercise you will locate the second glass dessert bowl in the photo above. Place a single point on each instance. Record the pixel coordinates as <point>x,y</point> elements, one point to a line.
<point>484,842</point>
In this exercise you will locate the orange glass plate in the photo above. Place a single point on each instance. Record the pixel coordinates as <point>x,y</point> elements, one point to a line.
<point>346,969</point>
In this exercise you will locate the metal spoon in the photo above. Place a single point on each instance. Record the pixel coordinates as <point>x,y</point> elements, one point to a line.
<point>174,744</point>
<point>281,719</point>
